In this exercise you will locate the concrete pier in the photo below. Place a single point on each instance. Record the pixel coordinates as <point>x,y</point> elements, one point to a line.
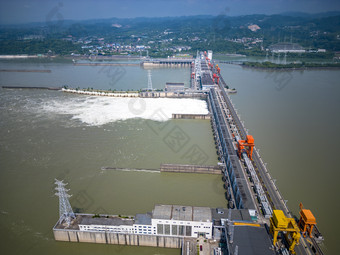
<point>191,116</point>
<point>197,169</point>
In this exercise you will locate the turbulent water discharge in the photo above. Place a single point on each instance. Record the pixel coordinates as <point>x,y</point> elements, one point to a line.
<point>98,110</point>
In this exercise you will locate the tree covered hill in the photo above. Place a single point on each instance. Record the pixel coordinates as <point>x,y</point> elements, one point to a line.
<point>220,33</point>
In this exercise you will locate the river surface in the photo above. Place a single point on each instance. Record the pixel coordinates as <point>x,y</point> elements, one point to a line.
<point>293,116</point>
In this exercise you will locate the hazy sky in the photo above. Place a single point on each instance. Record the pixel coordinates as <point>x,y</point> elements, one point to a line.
<point>22,11</point>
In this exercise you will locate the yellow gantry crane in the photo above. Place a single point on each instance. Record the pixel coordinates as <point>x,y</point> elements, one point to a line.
<point>280,223</point>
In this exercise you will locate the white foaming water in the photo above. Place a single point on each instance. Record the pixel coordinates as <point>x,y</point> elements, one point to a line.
<point>97,111</point>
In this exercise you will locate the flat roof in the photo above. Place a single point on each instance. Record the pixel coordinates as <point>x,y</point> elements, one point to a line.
<point>202,214</point>
<point>112,221</point>
<point>182,213</point>
<point>163,212</point>
<point>252,241</point>
<point>143,219</point>
<point>179,212</point>
<point>235,214</point>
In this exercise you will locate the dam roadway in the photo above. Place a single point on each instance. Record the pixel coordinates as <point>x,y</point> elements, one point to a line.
<point>274,197</point>
<point>273,194</point>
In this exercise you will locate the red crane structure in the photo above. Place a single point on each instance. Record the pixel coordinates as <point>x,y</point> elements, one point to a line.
<point>246,145</point>
<point>215,76</point>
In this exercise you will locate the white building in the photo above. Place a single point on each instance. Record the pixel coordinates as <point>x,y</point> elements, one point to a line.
<point>143,225</point>
<point>188,221</point>
<point>111,224</point>
<point>166,220</point>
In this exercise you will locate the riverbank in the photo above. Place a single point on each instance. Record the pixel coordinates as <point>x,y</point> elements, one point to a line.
<point>291,66</point>
<point>82,57</point>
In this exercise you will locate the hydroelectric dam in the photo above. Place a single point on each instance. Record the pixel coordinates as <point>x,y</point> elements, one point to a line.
<point>255,220</point>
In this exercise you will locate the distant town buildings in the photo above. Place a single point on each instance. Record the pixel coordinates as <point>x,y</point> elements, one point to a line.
<point>286,47</point>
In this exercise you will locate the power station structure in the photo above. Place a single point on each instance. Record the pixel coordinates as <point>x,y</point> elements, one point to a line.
<point>168,226</point>
<point>256,219</point>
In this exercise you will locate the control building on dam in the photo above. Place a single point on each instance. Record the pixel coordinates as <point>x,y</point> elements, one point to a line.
<point>167,226</point>
<point>255,210</point>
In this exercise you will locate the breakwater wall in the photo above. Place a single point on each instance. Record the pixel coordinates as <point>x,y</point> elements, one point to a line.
<point>21,87</point>
<point>105,64</point>
<point>191,116</point>
<point>102,93</point>
<point>25,70</point>
<point>70,235</point>
<point>197,169</point>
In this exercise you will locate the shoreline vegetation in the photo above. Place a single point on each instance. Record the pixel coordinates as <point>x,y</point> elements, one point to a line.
<point>290,66</point>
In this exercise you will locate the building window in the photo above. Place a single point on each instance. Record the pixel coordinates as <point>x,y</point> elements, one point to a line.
<point>188,231</point>
<point>160,229</point>
<point>167,229</point>
<point>174,230</point>
<point>181,230</point>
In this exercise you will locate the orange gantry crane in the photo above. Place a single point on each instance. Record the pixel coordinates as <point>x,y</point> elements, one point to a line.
<point>215,76</point>
<point>246,145</point>
<point>307,221</point>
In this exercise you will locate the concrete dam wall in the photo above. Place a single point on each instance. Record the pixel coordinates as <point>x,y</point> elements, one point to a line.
<point>69,235</point>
